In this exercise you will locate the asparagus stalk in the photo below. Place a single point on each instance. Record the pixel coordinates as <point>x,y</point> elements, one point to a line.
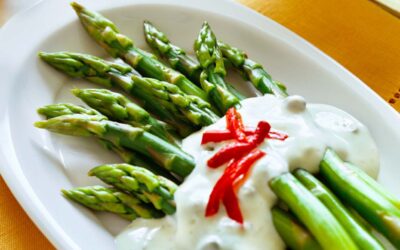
<point>147,186</point>
<point>128,156</point>
<point>358,233</point>
<point>54,110</point>
<point>111,200</point>
<point>107,35</point>
<point>292,232</point>
<point>187,108</point>
<point>175,56</point>
<point>166,155</point>
<point>374,185</point>
<point>136,159</point>
<point>312,213</point>
<point>252,71</point>
<point>119,108</point>
<point>89,67</point>
<point>369,203</point>
<point>212,77</point>
<point>161,98</point>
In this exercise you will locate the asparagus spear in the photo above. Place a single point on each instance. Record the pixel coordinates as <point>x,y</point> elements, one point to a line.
<point>86,66</point>
<point>374,185</point>
<point>358,233</point>
<point>133,158</point>
<point>166,155</point>
<point>111,200</point>
<point>107,35</point>
<point>368,202</point>
<point>212,76</point>
<point>252,71</point>
<point>163,99</point>
<point>176,56</point>
<point>294,234</point>
<point>119,108</point>
<point>147,186</point>
<point>312,213</point>
<point>54,110</point>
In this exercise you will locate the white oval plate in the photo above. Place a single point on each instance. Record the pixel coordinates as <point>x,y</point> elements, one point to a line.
<point>36,165</point>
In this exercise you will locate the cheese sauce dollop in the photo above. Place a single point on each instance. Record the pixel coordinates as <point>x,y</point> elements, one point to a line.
<point>311,129</point>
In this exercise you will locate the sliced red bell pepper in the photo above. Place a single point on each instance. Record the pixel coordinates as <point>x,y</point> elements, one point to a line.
<point>224,188</point>
<point>224,135</point>
<point>241,155</point>
<point>234,123</point>
<point>233,150</point>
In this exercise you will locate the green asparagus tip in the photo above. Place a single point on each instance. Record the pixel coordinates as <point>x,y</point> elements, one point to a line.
<point>66,193</point>
<point>42,54</point>
<point>77,7</point>
<point>40,124</point>
<point>76,92</point>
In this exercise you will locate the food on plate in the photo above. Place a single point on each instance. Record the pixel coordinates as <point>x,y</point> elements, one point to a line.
<point>275,171</point>
<point>139,182</point>
<point>112,200</point>
<point>212,77</point>
<point>177,57</point>
<point>162,98</point>
<point>166,155</point>
<point>107,35</point>
<point>252,71</point>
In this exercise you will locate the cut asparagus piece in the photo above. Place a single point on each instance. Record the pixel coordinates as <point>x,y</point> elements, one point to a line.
<point>292,232</point>
<point>252,71</point>
<point>176,56</point>
<point>161,98</point>
<point>136,159</point>
<point>119,108</point>
<point>138,181</point>
<point>186,108</point>
<point>107,35</point>
<point>358,233</point>
<point>369,203</point>
<point>312,213</point>
<point>111,200</point>
<point>85,66</point>
<point>166,155</point>
<point>374,185</point>
<point>59,109</point>
<point>54,110</point>
<point>213,74</point>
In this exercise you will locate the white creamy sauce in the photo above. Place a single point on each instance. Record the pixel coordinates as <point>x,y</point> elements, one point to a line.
<point>311,129</point>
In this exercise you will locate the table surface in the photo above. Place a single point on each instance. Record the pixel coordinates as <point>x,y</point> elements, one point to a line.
<point>358,34</point>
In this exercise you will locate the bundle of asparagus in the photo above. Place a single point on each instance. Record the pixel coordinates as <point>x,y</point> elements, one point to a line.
<point>313,217</point>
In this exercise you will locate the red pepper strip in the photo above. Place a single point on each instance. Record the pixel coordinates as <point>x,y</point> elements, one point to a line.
<point>224,135</point>
<point>241,173</point>
<point>217,195</point>
<point>277,135</point>
<point>261,132</point>
<point>231,204</point>
<point>233,150</point>
<point>234,123</point>
<point>223,189</point>
<point>216,136</point>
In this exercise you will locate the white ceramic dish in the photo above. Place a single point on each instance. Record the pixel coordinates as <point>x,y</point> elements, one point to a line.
<point>36,165</point>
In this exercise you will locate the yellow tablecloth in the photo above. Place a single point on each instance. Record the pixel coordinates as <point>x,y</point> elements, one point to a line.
<point>358,34</point>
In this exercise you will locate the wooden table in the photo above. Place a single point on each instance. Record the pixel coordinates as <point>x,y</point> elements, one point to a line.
<point>357,33</point>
